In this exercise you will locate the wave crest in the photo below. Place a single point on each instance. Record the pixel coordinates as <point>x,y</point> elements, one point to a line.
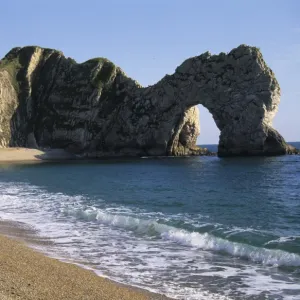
<point>203,241</point>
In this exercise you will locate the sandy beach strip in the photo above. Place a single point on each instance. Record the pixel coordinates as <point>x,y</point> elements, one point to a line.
<point>34,155</point>
<point>30,275</point>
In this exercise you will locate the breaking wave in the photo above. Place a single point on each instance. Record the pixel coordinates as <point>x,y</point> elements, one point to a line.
<point>204,241</point>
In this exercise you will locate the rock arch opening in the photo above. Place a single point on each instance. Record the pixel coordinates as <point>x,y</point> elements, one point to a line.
<point>209,132</point>
<point>242,95</point>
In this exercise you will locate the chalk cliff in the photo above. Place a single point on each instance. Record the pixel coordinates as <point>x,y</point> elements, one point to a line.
<point>94,109</point>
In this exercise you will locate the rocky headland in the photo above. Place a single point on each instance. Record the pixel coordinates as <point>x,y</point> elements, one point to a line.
<point>93,109</point>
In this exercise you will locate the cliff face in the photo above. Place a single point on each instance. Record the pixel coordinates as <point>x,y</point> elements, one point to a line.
<point>94,109</point>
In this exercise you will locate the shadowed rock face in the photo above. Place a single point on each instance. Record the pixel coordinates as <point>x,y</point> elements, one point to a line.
<point>94,109</point>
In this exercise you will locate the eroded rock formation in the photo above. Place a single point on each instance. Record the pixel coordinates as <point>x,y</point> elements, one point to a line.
<point>94,109</point>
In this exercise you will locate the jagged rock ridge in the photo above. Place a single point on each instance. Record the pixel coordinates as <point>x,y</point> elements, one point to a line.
<point>94,109</point>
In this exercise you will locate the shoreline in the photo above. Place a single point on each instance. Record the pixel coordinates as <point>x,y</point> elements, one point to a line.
<point>28,155</point>
<point>19,155</point>
<point>27,273</point>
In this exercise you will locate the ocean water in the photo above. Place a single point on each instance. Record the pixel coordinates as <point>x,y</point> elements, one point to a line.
<point>190,228</point>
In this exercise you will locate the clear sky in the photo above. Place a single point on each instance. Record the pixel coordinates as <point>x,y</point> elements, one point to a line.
<point>149,38</point>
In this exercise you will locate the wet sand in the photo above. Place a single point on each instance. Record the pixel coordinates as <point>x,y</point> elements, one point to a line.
<point>28,274</point>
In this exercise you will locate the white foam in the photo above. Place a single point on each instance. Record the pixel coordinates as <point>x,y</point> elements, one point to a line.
<point>283,239</point>
<point>209,242</point>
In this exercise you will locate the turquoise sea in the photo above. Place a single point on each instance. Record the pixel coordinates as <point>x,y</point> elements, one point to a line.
<point>190,228</point>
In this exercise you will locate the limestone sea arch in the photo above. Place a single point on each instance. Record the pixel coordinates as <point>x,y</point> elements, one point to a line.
<point>94,109</point>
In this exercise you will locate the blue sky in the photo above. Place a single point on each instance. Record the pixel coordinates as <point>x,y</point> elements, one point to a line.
<point>148,39</point>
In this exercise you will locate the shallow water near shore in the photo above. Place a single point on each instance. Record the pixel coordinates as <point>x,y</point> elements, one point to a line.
<point>190,228</point>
